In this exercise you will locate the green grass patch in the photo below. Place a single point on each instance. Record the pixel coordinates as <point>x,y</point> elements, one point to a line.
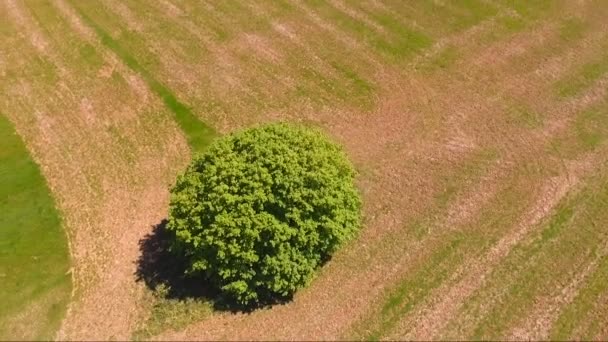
<point>580,310</point>
<point>174,314</point>
<point>359,91</point>
<point>583,78</point>
<point>200,16</point>
<point>531,9</point>
<point>475,12</point>
<point>72,49</point>
<point>401,43</point>
<point>446,58</point>
<point>572,29</point>
<point>589,131</point>
<point>88,53</point>
<point>529,14</point>
<point>465,174</point>
<point>35,285</point>
<point>198,134</point>
<point>360,86</point>
<point>414,289</point>
<point>317,88</point>
<point>41,69</point>
<point>38,67</point>
<point>525,117</point>
<point>512,24</point>
<point>346,85</point>
<point>506,26</point>
<point>404,41</point>
<point>161,26</point>
<point>592,128</point>
<point>443,18</point>
<point>462,177</point>
<point>241,14</point>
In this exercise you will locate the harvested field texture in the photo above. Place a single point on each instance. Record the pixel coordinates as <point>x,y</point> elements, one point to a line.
<point>479,129</point>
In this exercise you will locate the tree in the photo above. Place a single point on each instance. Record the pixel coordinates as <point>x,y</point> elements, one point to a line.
<point>262,209</point>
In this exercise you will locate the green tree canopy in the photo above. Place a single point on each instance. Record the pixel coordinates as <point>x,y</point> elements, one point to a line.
<point>262,209</point>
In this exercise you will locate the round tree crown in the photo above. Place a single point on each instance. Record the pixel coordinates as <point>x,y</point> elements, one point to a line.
<point>262,209</point>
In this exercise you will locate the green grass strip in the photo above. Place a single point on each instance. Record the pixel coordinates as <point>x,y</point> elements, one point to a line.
<point>403,42</point>
<point>531,9</point>
<point>580,310</point>
<point>589,132</point>
<point>413,290</point>
<point>35,285</point>
<point>583,79</point>
<point>198,134</point>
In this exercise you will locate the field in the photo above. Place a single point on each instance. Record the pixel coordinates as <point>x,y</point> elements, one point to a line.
<point>479,130</point>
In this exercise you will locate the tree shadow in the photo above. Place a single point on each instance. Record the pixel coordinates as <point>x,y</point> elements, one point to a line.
<point>158,266</point>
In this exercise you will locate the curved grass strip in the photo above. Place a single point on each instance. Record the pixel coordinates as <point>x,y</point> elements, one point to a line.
<point>35,283</point>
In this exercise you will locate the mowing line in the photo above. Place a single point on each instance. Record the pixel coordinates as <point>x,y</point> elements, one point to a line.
<point>546,313</point>
<point>198,134</point>
<point>583,78</point>
<point>411,291</point>
<point>581,308</point>
<point>534,270</point>
<point>34,33</point>
<point>437,317</point>
<point>573,106</point>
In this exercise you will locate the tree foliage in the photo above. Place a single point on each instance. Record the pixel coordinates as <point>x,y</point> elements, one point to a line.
<point>262,209</point>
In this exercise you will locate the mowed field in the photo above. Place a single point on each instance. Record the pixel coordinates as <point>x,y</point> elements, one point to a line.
<point>479,129</point>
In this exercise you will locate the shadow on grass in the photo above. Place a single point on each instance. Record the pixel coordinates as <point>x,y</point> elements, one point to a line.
<point>159,268</point>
